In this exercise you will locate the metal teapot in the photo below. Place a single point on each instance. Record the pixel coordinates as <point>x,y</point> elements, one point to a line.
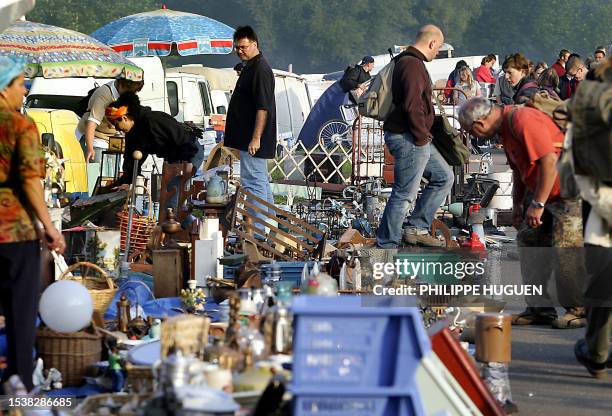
<point>216,190</point>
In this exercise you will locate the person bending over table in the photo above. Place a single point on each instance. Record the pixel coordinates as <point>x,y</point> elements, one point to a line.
<point>154,132</point>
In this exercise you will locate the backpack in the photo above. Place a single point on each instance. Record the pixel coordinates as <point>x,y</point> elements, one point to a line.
<point>349,74</point>
<point>591,115</point>
<point>377,101</point>
<point>83,104</point>
<point>555,109</point>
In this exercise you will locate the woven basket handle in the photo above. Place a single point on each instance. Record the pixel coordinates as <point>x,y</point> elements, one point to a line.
<point>129,196</point>
<point>97,268</point>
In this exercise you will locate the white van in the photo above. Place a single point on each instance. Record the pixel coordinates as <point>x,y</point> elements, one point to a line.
<point>316,86</point>
<point>188,97</point>
<point>292,99</point>
<point>65,93</point>
<point>221,81</point>
<point>292,104</point>
<point>185,96</point>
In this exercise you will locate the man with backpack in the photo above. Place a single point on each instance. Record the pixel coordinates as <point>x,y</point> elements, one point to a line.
<point>93,126</point>
<point>354,77</point>
<point>590,144</point>
<point>549,226</point>
<point>408,138</point>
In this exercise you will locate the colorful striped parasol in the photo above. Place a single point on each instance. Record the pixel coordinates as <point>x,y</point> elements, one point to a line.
<point>155,33</point>
<point>55,52</point>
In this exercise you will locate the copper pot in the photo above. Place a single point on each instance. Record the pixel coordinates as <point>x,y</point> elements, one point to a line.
<point>493,337</point>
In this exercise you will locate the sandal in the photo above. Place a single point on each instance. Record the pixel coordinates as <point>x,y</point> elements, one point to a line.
<point>569,321</point>
<point>530,317</point>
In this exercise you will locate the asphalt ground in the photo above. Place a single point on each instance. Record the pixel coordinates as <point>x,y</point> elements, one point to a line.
<point>545,378</point>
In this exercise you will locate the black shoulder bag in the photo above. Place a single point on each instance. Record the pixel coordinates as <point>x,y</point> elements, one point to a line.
<point>447,139</point>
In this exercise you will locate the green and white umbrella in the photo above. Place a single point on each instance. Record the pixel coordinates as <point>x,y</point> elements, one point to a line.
<point>55,52</point>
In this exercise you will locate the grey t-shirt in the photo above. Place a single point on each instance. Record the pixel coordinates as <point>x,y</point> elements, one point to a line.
<point>101,98</point>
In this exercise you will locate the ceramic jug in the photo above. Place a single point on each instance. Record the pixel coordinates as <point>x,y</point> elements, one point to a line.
<point>216,190</point>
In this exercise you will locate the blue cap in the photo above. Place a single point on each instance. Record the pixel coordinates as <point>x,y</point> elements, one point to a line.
<point>367,60</point>
<point>9,68</point>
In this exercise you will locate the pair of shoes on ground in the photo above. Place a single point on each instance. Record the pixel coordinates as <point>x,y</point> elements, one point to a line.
<point>573,318</point>
<point>581,352</point>
<point>421,238</point>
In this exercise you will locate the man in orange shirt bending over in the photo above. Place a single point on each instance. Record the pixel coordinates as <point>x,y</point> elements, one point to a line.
<point>550,227</point>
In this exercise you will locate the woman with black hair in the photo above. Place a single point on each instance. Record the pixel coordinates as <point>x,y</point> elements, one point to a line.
<point>153,132</point>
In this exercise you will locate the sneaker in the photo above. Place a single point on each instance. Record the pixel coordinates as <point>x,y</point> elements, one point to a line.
<point>597,370</point>
<point>422,238</point>
<point>573,318</point>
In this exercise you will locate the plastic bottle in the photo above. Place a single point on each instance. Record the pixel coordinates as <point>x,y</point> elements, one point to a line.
<point>478,228</point>
<point>305,276</point>
<point>274,272</point>
<point>327,285</point>
<point>316,269</point>
<point>342,277</point>
<point>357,275</point>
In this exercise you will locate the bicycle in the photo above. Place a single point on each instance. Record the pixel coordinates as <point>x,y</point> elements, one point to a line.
<point>339,132</point>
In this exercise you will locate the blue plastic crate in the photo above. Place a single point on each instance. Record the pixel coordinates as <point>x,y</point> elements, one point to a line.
<point>340,342</point>
<point>375,402</point>
<point>229,272</point>
<point>291,271</point>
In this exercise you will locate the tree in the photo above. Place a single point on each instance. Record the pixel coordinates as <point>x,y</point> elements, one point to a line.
<point>328,35</point>
<point>540,29</point>
<point>86,16</point>
<point>454,17</point>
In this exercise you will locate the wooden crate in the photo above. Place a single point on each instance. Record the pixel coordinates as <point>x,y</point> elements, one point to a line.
<point>299,242</point>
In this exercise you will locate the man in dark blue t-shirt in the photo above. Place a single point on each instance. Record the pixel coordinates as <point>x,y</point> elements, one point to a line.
<point>251,117</point>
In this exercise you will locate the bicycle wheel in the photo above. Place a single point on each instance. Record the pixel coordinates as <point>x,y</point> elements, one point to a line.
<point>336,132</point>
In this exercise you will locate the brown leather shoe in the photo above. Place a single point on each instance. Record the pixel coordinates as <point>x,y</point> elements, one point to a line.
<point>422,238</point>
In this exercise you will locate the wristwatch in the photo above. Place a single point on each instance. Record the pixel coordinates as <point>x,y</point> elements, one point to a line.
<point>537,204</point>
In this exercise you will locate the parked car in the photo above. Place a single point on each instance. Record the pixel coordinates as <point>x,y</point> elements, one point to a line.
<point>62,124</point>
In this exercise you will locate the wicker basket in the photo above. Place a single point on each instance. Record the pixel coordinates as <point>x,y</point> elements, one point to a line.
<point>142,226</point>
<point>71,353</point>
<point>102,290</point>
<point>91,404</point>
<point>187,333</point>
<point>139,379</point>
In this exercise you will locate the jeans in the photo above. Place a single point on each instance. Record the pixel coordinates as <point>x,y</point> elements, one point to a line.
<point>118,380</point>
<point>254,179</point>
<point>413,162</point>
